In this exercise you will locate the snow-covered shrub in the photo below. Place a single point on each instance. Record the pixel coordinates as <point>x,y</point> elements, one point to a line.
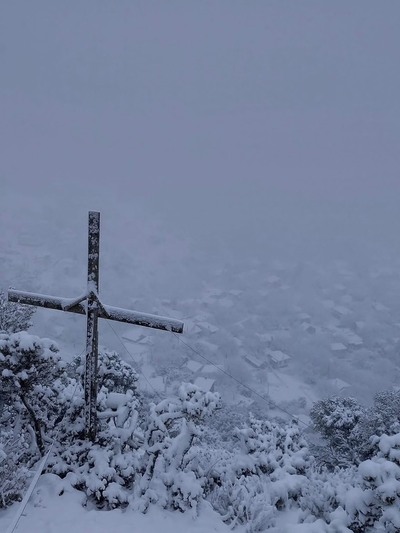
<point>30,380</point>
<point>267,475</point>
<point>114,374</point>
<point>104,470</point>
<point>387,406</point>
<point>367,495</point>
<point>349,428</point>
<point>382,418</point>
<point>14,474</point>
<point>159,465</point>
<point>245,500</point>
<point>170,474</point>
<point>323,494</point>
<point>225,421</point>
<point>14,317</point>
<point>34,396</point>
<point>270,445</point>
<point>336,419</point>
<point>373,504</point>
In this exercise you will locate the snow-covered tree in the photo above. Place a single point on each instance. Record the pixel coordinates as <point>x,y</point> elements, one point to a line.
<point>335,419</point>
<point>32,385</point>
<point>348,428</point>
<point>14,317</point>
<point>382,418</point>
<point>30,373</point>
<point>387,408</point>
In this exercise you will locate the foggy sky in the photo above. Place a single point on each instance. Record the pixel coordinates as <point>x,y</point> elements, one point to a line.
<point>263,120</point>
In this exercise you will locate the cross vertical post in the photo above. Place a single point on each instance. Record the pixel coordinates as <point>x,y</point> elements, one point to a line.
<point>92,325</point>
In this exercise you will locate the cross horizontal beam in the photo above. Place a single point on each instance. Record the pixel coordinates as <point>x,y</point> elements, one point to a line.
<point>111,313</point>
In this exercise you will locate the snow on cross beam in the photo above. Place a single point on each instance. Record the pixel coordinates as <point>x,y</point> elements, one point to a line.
<point>113,313</point>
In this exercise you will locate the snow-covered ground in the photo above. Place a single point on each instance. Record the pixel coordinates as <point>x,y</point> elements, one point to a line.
<point>50,512</point>
<point>55,507</point>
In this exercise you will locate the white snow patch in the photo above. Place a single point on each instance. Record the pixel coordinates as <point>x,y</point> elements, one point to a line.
<point>50,512</point>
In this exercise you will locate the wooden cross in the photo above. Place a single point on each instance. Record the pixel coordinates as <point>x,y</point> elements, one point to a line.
<point>94,309</point>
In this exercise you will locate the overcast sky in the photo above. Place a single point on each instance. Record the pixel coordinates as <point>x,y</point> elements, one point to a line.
<point>255,117</point>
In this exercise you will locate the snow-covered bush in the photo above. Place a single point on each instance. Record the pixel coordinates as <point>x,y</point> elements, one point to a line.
<point>14,317</point>
<point>373,504</point>
<point>14,474</point>
<point>335,419</point>
<point>271,446</point>
<point>266,475</point>
<point>384,416</point>
<point>104,470</point>
<point>349,428</point>
<point>244,500</point>
<point>114,374</point>
<point>30,380</point>
<point>32,384</point>
<point>367,495</point>
<point>323,494</point>
<point>170,474</point>
<point>225,422</point>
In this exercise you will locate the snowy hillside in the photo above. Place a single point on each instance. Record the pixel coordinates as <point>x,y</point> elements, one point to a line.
<point>244,159</point>
<point>48,511</point>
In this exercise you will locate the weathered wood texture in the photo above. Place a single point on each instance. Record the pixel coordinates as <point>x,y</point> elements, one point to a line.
<point>93,251</point>
<point>92,340</point>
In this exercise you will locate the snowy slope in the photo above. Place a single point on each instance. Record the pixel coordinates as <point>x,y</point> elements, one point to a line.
<point>55,507</point>
<point>48,512</point>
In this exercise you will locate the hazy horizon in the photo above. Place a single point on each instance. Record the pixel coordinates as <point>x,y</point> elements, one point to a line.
<point>258,123</point>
